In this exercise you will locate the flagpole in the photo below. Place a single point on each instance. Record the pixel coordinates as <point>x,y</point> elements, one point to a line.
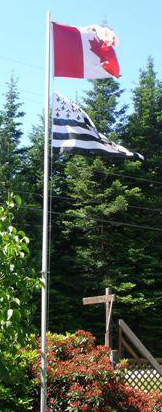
<point>45,221</point>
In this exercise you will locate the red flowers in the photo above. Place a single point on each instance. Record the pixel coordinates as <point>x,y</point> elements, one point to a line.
<point>81,378</point>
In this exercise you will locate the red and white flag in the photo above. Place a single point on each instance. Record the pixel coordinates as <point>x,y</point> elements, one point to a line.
<point>84,52</point>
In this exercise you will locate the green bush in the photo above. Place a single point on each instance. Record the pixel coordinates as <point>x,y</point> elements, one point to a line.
<point>18,283</point>
<point>81,378</point>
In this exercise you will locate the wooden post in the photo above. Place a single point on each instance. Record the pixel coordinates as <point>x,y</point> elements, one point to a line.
<point>108,338</point>
<point>120,342</point>
<point>114,357</point>
<point>108,300</point>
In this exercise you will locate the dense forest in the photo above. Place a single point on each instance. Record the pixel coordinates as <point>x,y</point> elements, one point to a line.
<point>105,225</point>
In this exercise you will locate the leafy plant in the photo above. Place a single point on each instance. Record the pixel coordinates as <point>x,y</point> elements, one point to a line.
<point>18,282</point>
<point>80,377</point>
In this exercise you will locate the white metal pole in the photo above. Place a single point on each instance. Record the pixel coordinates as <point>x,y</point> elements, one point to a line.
<point>45,221</point>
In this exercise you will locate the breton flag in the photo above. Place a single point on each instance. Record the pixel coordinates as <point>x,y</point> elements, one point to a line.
<point>74,132</point>
<point>84,52</point>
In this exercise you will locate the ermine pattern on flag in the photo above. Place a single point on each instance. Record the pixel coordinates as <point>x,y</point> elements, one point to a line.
<point>74,132</point>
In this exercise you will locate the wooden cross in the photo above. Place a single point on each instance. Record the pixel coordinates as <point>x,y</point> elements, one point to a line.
<point>108,299</point>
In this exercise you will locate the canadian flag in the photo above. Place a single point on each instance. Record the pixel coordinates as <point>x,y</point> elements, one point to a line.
<point>84,52</point>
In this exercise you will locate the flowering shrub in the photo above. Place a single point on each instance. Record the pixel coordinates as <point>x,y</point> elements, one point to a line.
<point>81,378</point>
<point>158,406</point>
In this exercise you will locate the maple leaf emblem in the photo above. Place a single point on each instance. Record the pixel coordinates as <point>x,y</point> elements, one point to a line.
<point>107,56</point>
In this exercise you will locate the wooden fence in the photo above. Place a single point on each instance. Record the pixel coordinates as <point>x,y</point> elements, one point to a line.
<point>144,373</point>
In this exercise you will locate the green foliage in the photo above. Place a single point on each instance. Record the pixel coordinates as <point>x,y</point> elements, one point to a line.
<point>17,279</point>
<point>106,225</point>
<point>16,390</point>
<point>100,208</point>
<point>17,284</point>
<point>101,104</point>
<point>143,132</point>
<point>80,377</point>
<point>10,134</point>
<point>106,214</point>
<point>101,213</point>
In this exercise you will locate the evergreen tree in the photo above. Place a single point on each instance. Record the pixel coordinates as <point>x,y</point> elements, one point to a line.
<point>33,213</point>
<point>16,172</point>
<point>33,190</point>
<point>103,240</point>
<point>143,132</point>
<point>102,105</point>
<point>101,213</point>
<point>86,254</point>
<point>21,170</point>
<point>145,124</point>
<point>10,137</point>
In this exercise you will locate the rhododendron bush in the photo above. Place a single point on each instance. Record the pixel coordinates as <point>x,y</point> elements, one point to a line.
<point>82,378</point>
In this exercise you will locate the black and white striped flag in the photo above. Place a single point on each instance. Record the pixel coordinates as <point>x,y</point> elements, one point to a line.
<point>74,132</point>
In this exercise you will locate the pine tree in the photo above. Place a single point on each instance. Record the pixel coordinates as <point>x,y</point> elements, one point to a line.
<point>143,132</point>
<point>33,213</point>
<point>101,213</point>
<point>102,105</point>
<point>85,255</point>
<point>10,137</point>
<point>103,240</point>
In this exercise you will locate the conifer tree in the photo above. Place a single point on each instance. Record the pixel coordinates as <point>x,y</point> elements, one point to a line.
<point>105,237</point>
<point>102,105</point>
<point>143,132</point>
<point>86,259</point>
<point>106,216</point>
<point>10,137</point>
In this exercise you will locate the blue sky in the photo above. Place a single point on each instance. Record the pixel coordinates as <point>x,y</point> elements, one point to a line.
<point>22,47</point>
